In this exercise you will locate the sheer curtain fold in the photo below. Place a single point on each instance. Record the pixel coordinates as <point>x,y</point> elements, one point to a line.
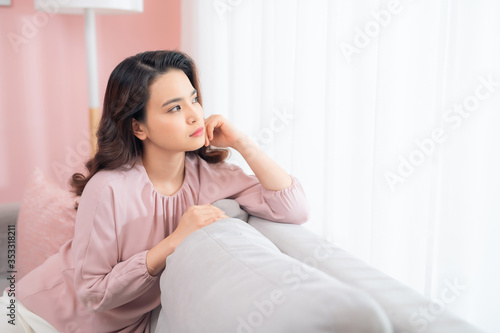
<point>387,111</point>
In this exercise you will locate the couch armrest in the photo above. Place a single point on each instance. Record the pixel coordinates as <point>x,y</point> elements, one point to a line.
<point>8,216</point>
<point>402,304</point>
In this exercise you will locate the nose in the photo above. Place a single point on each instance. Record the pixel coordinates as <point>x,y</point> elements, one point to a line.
<point>194,114</point>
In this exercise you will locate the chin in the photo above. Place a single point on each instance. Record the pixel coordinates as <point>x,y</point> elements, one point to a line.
<point>196,147</point>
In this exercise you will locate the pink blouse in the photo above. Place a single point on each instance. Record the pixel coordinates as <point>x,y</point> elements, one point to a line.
<point>98,281</point>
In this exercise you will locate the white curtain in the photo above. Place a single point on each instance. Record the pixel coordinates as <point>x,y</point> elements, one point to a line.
<point>389,114</point>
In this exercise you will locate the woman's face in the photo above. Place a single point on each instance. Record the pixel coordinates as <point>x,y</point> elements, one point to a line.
<point>173,114</point>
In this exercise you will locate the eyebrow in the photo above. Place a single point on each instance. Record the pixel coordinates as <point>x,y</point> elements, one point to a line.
<point>177,99</point>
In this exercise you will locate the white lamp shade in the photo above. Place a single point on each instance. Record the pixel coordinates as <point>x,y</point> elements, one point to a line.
<point>104,7</point>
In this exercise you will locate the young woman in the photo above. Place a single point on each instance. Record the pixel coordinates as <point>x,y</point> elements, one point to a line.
<point>150,184</point>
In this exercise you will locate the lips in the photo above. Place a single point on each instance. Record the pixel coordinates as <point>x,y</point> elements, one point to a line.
<point>198,132</point>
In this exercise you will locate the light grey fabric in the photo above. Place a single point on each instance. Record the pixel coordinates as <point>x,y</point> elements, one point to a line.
<point>408,310</point>
<point>227,277</point>
<point>153,320</point>
<point>231,208</point>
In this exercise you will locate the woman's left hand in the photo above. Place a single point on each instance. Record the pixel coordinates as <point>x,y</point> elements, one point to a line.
<point>220,132</point>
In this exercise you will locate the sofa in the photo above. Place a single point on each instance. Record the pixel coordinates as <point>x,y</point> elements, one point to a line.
<point>247,274</point>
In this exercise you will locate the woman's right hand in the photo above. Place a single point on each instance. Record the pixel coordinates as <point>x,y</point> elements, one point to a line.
<point>195,217</point>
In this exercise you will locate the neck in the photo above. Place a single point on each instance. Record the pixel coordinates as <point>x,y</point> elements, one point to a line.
<point>165,171</point>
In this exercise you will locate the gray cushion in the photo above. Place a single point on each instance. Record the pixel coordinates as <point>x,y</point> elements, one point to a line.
<point>231,208</point>
<point>227,277</point>
<point>407,310</point>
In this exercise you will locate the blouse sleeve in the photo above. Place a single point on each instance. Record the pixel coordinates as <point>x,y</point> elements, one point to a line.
<point>228,181</point>
<point>103,280</point>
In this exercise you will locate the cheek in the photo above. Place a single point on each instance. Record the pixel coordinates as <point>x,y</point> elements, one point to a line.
<point>166,127</point>
<point>199,109</point>
<point>174,127</point>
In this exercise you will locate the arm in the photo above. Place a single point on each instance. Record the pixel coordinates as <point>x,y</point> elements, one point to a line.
<point>269,173</point>
<point>271,194</point>
<point>103,280</point>
<point>194,218</point>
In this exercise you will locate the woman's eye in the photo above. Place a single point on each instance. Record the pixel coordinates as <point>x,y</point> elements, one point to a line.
<point>175,108</point>
<point>195,100</point>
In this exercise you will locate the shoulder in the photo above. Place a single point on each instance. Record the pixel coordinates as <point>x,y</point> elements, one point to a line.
<point>111,190</point>
<point>118,180</point>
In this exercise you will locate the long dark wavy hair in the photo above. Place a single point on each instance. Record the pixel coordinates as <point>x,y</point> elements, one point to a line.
<point>126,97</point>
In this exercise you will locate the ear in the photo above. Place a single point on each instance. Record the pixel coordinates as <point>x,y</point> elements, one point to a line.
<point>138,129</point>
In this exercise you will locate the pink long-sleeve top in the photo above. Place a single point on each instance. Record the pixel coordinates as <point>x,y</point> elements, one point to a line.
<point>98,281</point>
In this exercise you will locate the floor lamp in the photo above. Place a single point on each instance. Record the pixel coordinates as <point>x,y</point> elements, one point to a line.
<point>91,8</point>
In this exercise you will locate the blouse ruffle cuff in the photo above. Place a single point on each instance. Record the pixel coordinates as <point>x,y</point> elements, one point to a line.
<point>289,204</point>
<point>144,267</point>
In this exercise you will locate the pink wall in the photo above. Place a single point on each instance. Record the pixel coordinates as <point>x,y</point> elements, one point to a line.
<point>43,84</point>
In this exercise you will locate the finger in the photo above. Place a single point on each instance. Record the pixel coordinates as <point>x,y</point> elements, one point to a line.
<point>212,129</point>
<point>206,209</point>
<point>208,129</point>
<point>215,213</point>
<point>209,210</point>
<point>221,217</point>
<point>220,211</point>
<point>212,124</point>
<point>210,207</point>
<point>213,219</point>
